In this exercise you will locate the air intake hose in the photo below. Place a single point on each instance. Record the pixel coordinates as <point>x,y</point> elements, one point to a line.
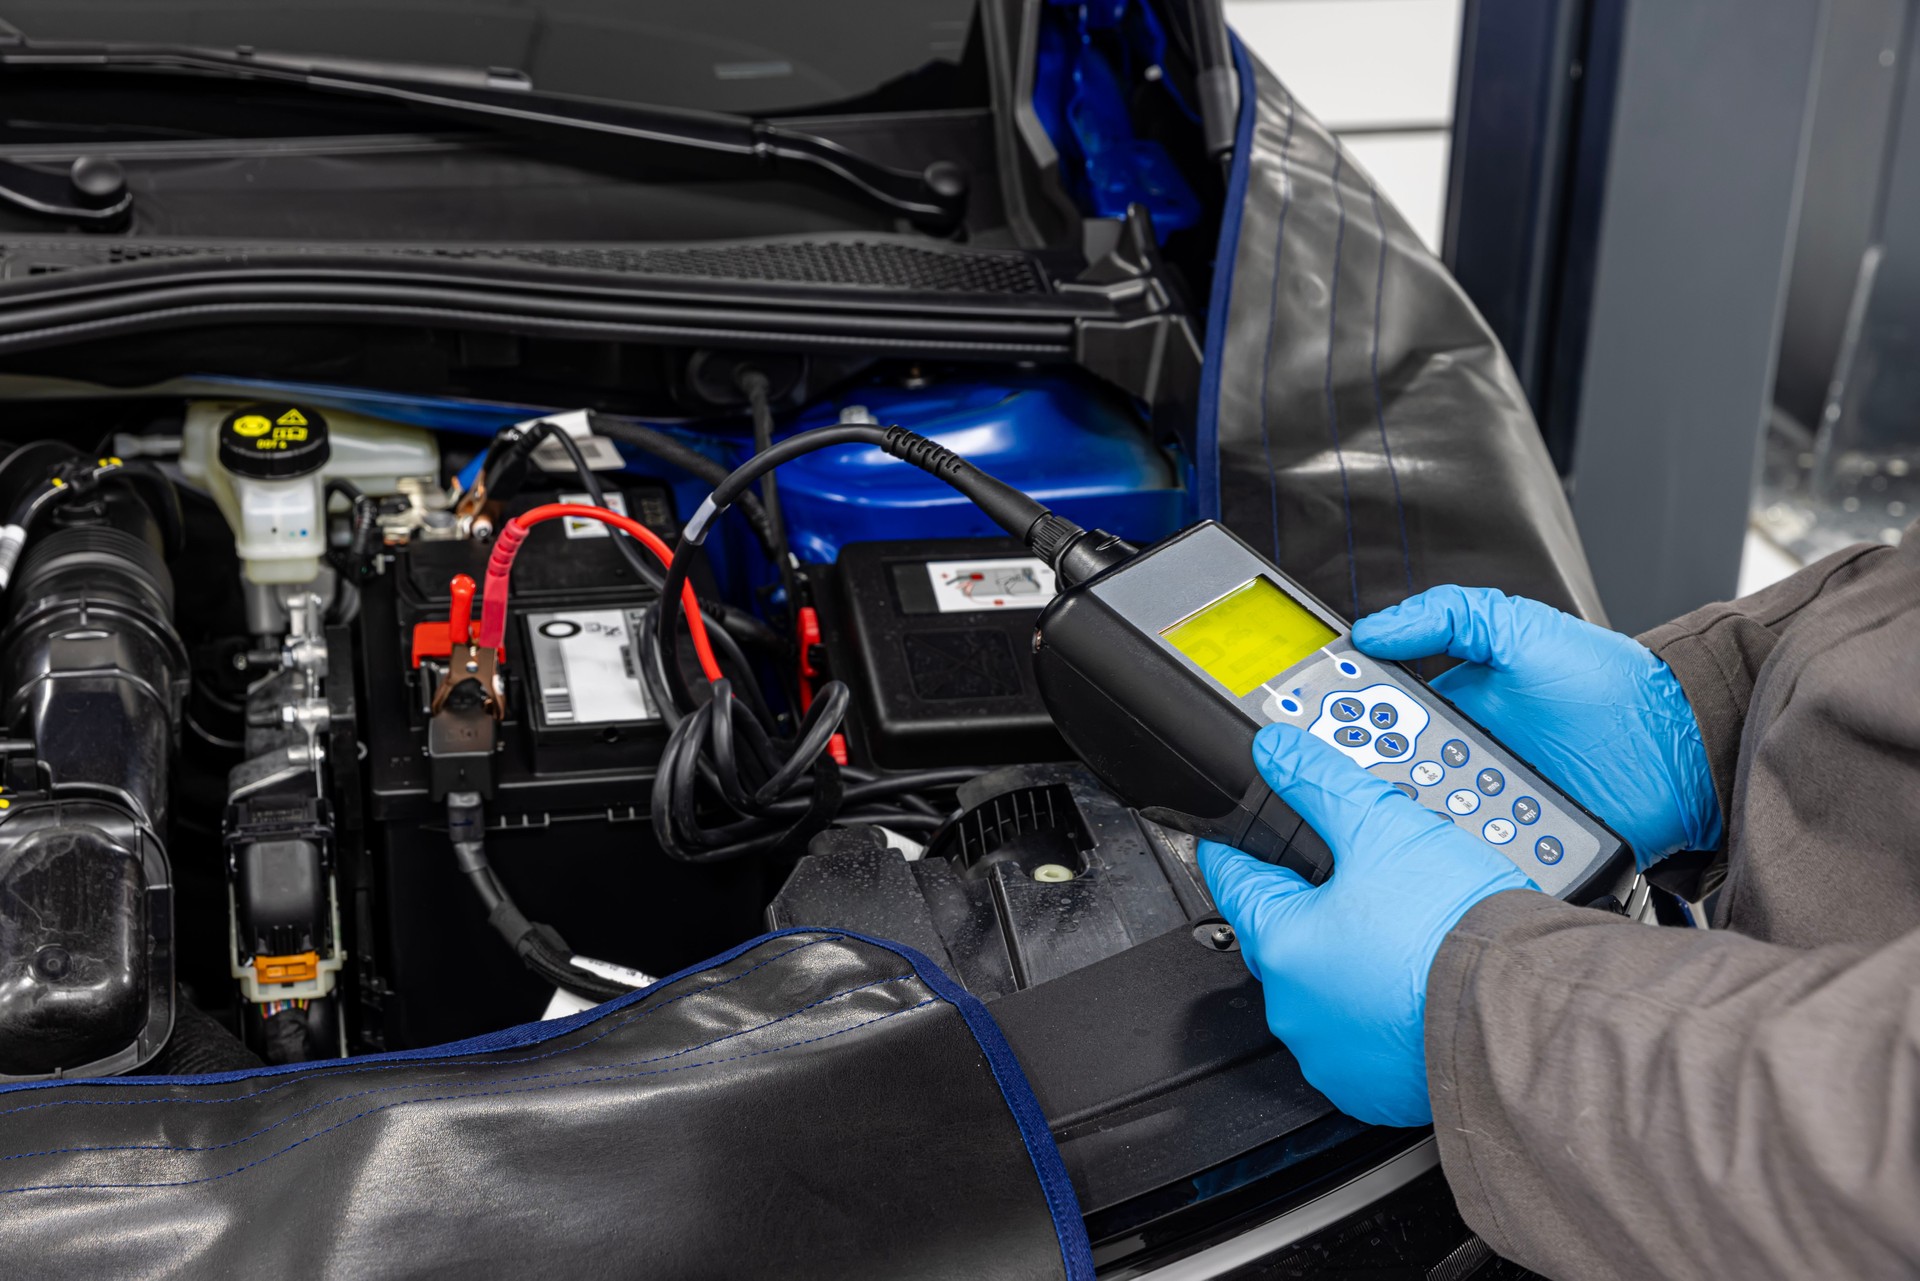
<point>94,676</point>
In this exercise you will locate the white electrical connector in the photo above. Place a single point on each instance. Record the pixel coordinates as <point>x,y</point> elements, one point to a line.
<point>565,1002</point>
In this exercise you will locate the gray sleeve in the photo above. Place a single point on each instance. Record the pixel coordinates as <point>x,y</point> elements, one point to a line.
<point>1717,650</point>
<point>1615,1100</point>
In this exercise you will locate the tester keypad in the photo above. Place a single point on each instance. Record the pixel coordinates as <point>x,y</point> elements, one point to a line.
<point>1389,729</point>
<point>1225,624</point>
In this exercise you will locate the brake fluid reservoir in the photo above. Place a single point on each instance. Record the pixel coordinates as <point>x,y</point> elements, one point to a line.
<point>267,465</point>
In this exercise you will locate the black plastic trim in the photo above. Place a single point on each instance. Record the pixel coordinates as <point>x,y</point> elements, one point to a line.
<point>79,292</point>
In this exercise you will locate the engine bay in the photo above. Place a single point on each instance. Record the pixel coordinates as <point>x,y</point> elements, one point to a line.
<point>265,803</point>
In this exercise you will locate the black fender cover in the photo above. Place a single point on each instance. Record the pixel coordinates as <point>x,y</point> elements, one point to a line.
<point>811,1104</point>
<point>1358,419</point>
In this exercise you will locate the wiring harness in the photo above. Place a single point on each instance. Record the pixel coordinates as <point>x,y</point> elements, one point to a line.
<point>727,786</point>
<point>734,781</point>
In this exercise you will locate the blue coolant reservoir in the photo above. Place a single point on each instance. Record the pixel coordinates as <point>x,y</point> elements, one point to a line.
<point>1085,453</point>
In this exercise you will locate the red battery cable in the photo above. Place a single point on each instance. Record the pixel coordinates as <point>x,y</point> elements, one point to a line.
<point>493,610</point>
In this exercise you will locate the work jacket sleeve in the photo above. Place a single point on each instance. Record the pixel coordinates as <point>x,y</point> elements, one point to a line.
<point>1717,651</point>
<point>1614,1100</point>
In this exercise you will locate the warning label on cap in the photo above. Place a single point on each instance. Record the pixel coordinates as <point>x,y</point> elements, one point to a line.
<point>283,438</point>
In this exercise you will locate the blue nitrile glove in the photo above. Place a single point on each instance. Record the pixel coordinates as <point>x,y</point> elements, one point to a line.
<point>1595,711</point>
<point>1344,964</point>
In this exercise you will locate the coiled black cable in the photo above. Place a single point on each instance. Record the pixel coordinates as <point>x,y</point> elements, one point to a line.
<point>726,786</point>
<point>1006,506</point>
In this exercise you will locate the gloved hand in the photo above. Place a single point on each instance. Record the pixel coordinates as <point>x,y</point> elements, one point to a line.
<point>1344,964</point>
<point>1595,711</point>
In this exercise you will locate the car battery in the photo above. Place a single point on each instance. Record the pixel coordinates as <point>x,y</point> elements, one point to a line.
<point>934,637</point>
<point>567,781</point>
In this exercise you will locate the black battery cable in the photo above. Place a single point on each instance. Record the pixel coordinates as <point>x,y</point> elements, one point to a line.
<point>725,786</point>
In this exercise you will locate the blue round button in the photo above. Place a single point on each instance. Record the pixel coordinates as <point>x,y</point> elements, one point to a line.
<point>1490,781</point>
<point>1526,810</point>
<point>1351,736</point>
<point>1348,709</point>
<point>1548,850</point>
<point>1348,668</point>
<point>1454,753</point>
<point>1391,745</point>
<point>1383,716</point>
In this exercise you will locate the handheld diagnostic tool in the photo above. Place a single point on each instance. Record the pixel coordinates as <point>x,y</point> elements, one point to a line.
<point>1159,670</point>
<point>1159,666</point>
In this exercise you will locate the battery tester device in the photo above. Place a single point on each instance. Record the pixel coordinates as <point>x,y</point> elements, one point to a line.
<point>1158,666</point>
<point>1159,670</point>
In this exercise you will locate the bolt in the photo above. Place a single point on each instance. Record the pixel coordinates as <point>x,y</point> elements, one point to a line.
<point>1216,936</point>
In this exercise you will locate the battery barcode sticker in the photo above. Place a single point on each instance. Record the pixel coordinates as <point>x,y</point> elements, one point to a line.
<point>584,668</point>
<point>969,586</point>
<point>581,527</point>
<point>599,453</point>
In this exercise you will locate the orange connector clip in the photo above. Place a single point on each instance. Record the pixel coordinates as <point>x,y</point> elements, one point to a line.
<point>302,967</point>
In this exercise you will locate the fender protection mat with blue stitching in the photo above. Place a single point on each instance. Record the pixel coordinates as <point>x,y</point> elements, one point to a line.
<point>1358,421</point>
<point>811,1104</point>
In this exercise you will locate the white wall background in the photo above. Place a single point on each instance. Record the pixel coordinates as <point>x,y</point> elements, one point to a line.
<point>1380,74</point>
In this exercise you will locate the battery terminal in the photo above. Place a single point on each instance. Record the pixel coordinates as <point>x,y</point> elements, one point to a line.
<point>468,662</point>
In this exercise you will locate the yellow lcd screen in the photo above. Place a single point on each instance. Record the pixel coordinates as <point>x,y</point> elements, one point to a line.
<point>1252,633</point>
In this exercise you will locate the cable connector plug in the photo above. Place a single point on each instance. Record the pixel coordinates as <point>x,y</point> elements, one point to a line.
<point>1051,535</point>
<point>1077,554</point>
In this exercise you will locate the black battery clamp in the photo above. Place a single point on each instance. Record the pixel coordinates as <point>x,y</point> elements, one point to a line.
<point>1159,665</point>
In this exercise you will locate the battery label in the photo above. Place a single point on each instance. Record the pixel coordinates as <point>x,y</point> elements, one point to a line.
<point>1009,582</point>
<point>580,526</point>
<point>600,454</point>
<point>585,670</point>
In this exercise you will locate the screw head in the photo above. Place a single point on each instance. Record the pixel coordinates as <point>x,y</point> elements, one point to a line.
<point>1216,936</point>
